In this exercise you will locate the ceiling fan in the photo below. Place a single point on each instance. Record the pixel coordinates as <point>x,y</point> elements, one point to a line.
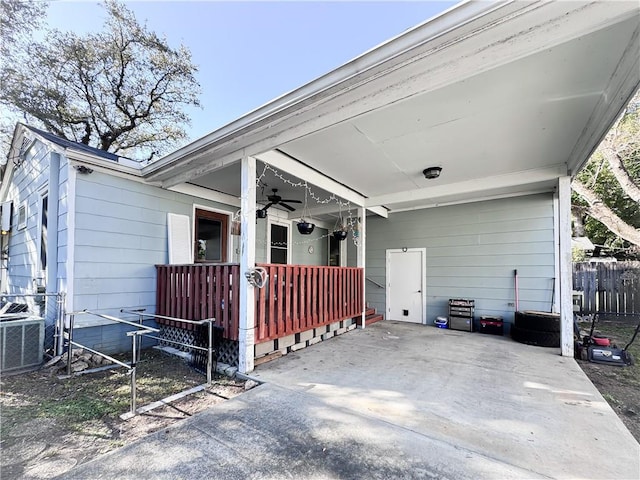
<point>275,199</point>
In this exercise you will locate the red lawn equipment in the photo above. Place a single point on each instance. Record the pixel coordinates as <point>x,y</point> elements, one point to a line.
<point>599,349</point>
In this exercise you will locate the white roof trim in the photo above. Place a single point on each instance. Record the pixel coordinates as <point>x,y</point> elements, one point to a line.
<point>452,18</point>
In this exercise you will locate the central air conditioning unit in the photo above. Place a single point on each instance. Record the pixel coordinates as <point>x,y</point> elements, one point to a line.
<point>21,343</point>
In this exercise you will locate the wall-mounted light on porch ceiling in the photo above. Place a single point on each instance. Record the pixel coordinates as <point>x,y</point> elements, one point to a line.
<point>431,172</point>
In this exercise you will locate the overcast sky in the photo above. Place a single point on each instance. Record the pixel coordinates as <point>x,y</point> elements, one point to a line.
<point>248,53</point>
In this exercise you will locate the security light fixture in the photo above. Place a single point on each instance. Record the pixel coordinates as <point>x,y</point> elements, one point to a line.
<point>432,172</point>
<point>262,213</point>
<point>84,170</point>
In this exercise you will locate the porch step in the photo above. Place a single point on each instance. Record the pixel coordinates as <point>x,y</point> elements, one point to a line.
<point>374,318</point>
<point>371,316</point>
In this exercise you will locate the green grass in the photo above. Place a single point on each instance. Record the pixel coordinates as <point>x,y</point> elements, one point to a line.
<point>74,403</point>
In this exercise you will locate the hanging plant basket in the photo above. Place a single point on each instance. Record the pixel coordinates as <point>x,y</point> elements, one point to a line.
<point>340,234</point>
<point>305,228</point>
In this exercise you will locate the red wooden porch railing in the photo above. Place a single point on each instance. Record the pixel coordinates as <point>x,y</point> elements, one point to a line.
<point>295,298</point>
<point>196,292</point>
<point>300,297</point>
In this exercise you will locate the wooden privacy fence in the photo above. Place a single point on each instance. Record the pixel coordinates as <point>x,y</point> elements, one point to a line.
<point>301,297</point>
<point>196,292</point>
<point>608,287</point>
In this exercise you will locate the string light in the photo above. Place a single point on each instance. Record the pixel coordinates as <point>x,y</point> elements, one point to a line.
<point>351,222</point>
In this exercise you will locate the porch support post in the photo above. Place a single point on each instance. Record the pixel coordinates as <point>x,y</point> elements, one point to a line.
<point>361,260</point>
<point>564,260</point>
<point>247,263</point>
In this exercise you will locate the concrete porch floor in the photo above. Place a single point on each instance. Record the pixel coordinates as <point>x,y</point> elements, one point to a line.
<point>396,401</point>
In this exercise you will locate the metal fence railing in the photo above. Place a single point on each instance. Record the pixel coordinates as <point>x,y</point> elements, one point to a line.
<point>136,343</point>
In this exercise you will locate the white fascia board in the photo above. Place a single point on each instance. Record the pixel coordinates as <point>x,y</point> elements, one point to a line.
<point>334,208</point>
<point>206,193</point>
<point>431,57</point>
<point>345,77</point>
<point>480,185</point>
<point>623,84</point>
<point>84,158</point>
<point>485,198</point>
<point>297,169</point>
<point>443,22</point>
<point>381,211</point>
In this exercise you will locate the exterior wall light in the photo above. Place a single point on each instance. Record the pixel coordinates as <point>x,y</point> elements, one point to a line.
<point>84,170</point>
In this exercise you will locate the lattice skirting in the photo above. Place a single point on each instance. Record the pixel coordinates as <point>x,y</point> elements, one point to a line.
<point>227,350</point>
<point>175,334</point>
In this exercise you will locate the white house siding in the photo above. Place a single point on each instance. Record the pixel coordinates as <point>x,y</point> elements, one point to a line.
<point>472,251</point>
<point>120,235</point>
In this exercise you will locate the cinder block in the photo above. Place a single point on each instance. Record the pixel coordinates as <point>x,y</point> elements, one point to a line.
<point>319,331</point>
<point>341,322</point>
<point>351,327</point>
<point>287,341</point>
<point>298,346</point>
<point>340,331</point>
<point>262,349</point>
<point>304,336</point>
<point>327,336</point>
<point>333,327</point>
<point>314,340</point>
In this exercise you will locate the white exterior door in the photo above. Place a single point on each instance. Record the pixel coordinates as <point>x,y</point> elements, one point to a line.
<point>406,296</point>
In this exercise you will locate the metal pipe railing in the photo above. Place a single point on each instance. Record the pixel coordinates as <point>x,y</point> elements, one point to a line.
<point>113,319</point>
<point>136,344</point>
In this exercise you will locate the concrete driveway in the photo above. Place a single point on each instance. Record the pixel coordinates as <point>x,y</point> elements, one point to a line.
<point>396,401</point>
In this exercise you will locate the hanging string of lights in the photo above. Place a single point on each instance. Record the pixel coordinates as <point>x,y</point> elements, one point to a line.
<point>350,223</point>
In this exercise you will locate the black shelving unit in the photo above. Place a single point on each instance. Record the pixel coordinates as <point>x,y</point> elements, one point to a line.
<point>461,314</point>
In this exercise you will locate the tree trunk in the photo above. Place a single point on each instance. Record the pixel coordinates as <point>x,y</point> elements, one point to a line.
<point>600,212</point>
<point>621,174</point>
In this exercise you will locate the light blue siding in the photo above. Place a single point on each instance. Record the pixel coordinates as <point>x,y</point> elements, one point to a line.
<point>120,235</point>
<point>28,178</point>
<point>27,181</point>
<point>472,251</point>
<point>300,251</point>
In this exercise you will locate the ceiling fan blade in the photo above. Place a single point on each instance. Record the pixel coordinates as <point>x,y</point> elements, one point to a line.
<point>267,206</point>
<point>288,207</point>
<point>291,201</point>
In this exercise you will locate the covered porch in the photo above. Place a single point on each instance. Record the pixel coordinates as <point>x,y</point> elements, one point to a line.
<point>505,100</point>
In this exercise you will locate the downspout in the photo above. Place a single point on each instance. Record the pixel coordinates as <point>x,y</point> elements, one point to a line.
<point>52,238</point>
<point>52,224</point>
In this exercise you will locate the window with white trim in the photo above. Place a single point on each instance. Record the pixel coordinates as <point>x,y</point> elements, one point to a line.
<point>279,242</point>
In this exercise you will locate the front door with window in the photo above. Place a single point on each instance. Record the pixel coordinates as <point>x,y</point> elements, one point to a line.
<point>210,236</point>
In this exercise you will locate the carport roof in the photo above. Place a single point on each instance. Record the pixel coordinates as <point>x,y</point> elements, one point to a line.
<point>506,97</point>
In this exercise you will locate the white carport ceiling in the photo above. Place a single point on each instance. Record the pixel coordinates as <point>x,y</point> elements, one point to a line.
<point>526,115</point>
<point>506,97</point>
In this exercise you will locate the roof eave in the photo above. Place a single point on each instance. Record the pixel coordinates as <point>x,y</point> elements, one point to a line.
<point>325,85</point>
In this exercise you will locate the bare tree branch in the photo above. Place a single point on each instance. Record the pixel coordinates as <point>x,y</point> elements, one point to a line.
<point>598,210</point>
<point>123,89</point>
<point>622,175</point>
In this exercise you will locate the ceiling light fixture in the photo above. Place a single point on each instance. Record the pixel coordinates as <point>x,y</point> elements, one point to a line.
<point>432,172</point>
